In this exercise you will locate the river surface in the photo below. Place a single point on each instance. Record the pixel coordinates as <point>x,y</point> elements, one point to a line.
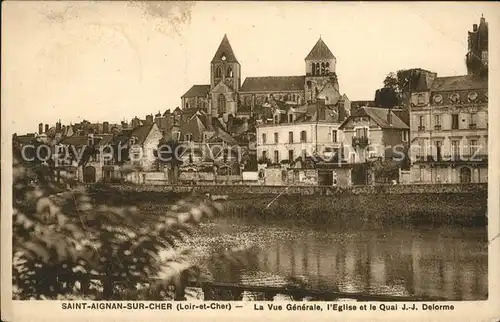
<point>445,262</point>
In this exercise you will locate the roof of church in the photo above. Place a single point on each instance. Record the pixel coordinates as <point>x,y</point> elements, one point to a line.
<point>225,49</point>
<point>273,84</point>
<point>320,51</point>
<point>457,83</point>
<point>197,90</point>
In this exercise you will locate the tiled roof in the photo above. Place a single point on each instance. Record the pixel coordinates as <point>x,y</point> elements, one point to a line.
<point>25,139</point>
<point>197,90</point>
<point>221,135</point>
<point>273,84</point>
<point>309,113</point>
<point>458,83</point>
<point>141,133</point>
<point>226,50</point>
<point>379,115</point>
<point>320,51</point>
<point>193,126</point>
<point>81,140</point>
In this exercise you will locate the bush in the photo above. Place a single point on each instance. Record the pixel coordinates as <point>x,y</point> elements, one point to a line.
<point>64,241</point>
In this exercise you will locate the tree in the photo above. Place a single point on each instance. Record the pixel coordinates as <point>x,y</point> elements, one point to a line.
<point>397,87</point>
<point>63,241</point>
<point>385,171</point>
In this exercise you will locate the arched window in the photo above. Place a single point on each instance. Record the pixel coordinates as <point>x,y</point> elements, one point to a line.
<point>303,136</point>
<point>313,69</point>
<point>322,68</point>
<point>218,72</point>
<point>221,103</point>
<point>420,99</point>
<point>465,175</point>
<point>229,72</point>
<point>327,68</point>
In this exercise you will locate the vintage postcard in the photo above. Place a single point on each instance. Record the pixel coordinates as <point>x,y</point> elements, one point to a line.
<point>250,160</point>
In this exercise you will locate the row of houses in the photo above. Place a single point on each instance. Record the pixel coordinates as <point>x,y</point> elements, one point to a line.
<point>282,130</point>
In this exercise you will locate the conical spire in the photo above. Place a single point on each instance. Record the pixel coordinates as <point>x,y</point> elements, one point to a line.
<point>320,51</point>
<point>226,51</point>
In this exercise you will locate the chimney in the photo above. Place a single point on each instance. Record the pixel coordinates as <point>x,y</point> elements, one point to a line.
<point>149,119</point>
<point>474,27</point>
<point>321,110</point>
<point>90,139</point>
<point>230,120</point>
<point>46,128</point>
<point>58,126</point>
<point>341,111</point>
<point>209,113</point>
<point>389,117</point>
<point>105,127</point>
<point>135,122</point>
<point>40,128</point>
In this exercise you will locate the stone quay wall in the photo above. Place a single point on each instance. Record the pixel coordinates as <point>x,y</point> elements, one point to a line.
<point>309,190</point>
<point>463,204</point>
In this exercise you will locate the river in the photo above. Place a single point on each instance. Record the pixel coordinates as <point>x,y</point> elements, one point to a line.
<point>446,262</point>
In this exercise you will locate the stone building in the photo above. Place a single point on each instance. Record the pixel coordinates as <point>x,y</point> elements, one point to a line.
<point>295,132</point>
<point>373,134</point>
<point>449,121</point>
<point>320,79</point>
<point>225,95</point>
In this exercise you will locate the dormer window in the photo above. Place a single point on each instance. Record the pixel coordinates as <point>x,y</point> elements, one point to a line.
<point>420,99</point>
<point>188,137</point>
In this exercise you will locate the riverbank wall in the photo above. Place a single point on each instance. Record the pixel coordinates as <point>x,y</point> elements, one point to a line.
<point>462,204</point>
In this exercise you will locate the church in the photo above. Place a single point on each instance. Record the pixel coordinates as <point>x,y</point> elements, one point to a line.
<point>258,96</point>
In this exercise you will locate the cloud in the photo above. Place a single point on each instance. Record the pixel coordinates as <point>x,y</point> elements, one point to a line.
<point>170,16</point>
<point>59,13</point>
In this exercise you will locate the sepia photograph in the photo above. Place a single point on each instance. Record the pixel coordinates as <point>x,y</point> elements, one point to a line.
<point>248,151</point>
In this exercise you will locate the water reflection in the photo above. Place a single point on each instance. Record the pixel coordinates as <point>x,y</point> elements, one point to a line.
<point>446,262</point>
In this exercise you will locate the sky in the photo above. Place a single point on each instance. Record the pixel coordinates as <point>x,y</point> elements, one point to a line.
<point>111,61</point>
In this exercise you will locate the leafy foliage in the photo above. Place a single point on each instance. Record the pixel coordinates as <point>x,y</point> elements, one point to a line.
<point>65,241</point>
<point>396,88</point>
<point>385,171</point>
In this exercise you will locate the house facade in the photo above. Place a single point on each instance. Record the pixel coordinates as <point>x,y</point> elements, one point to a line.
<point>371,135</point>
<point>297,132</point>
<point>449,122</point>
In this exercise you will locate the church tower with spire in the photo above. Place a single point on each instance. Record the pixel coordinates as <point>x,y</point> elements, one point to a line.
<point>320,70</point>
<point>225,80</point>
